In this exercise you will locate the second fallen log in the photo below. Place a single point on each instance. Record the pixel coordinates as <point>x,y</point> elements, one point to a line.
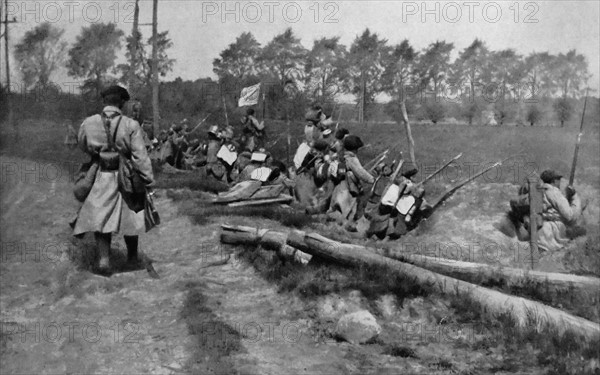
<point>523,311</point>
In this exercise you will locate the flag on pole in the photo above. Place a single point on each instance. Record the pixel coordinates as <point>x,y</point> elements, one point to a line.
<point>249,95</point>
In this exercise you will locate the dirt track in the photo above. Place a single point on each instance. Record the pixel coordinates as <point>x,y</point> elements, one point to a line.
<point>59,318</point>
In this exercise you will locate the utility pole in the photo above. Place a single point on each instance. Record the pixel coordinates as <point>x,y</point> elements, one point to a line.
<point>155,67</point>
<point>7,58</point>
<point>134,52</point>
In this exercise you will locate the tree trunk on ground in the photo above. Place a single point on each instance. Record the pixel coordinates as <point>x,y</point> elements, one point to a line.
<point>523,311</point>
<point>274,240</point>
<point>270,240</point>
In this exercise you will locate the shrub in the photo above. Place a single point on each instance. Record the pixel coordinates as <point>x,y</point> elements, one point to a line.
<point>434,111</point>
<point>534,115</point>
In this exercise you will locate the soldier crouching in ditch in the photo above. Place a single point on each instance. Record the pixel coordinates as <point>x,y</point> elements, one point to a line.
<point>105,210</point>
<point>561,215</point>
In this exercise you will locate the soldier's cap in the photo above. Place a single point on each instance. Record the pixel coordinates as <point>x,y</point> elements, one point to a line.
<point>177,128</point>
<point>116,90</point>
<point>185,121</point>
<point>313,116</point>
<point>352,143</point>
<point>327,132</point>
<point>341,133</point>
<point>549,176</point>
<point>410,173</point>
<point>320,145</point>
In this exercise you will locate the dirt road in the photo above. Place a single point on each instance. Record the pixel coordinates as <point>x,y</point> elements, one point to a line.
<point>57,317</point>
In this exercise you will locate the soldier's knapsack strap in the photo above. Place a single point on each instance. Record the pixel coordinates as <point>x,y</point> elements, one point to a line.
<point>106,120</point>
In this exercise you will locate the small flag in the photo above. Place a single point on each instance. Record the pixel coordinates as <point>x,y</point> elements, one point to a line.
<point>249,95</point>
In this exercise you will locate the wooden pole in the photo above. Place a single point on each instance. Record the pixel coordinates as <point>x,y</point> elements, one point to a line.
<point>135,34</point>
<point>225,108</point>
<point>155,109</point>
<point>8,85</point>
<point>411,141</point>
<point>535,211</point>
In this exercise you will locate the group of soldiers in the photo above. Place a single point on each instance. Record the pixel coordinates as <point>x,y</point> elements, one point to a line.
<point>327,177</point>
<point>330,179</point>
<point>223,156</point>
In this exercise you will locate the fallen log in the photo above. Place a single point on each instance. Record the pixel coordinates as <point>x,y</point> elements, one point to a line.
<point>523,311</point>
<point>268,239</point>
<point>463,270</point>
<point>510,276</point>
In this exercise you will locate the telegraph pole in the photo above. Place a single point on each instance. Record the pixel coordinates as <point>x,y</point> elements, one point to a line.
<point>136,36</point>
<point>155,67</point>
<point>7,58</point>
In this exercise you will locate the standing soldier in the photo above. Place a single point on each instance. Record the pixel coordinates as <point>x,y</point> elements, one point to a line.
<point>105,210</point>
<point>346,194</point>
<point>253,131</point>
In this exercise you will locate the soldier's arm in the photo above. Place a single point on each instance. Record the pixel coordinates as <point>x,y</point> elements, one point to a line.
<point>569,212</point>
<point>359,171</point>
<point>139,155</point>
<point>82,138</point>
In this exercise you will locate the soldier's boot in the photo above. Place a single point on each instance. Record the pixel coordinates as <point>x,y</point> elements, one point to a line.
<point>132,250</point>
<point>103,241</point>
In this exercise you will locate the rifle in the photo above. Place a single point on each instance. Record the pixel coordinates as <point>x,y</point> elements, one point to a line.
<point>200,123</point>
<point>453,189</point>
<point>441,169</point>
<point>378,159</point>
<point>572,175</point>
<point>337,124</point>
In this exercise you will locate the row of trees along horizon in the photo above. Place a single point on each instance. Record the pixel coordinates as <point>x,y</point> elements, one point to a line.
<point>516,88</point>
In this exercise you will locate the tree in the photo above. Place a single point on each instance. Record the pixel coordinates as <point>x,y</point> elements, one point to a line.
<point>239,59</point>
<point>282,58</point>
<point>471,66</point>
<point>399,69</point>
<point>570,72</point>
<point>538,70</point>
<point>506,72</point>
<point>94,53</point>
<point>564,110</point>
<point>366,68</point>
<point>434,65</point>
<point>282,61</point>
<point>143,66</point>
<point>39,53</point>
<point>326,68</point>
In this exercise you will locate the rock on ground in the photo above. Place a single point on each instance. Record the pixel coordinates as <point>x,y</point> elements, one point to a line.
<point>358,327</point>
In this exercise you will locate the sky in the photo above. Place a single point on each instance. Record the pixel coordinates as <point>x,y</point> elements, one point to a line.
<point>200,30</point>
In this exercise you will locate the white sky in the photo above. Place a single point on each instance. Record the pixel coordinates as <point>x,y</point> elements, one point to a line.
<point>201,29</point>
